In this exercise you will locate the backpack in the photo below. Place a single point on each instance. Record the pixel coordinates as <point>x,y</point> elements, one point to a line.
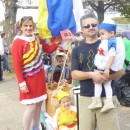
<point>122,87</point>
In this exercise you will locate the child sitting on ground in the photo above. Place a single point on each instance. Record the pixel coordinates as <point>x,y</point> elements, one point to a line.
<point>65,117</point>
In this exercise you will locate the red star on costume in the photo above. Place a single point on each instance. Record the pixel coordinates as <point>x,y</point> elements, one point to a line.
<point>101,51</point>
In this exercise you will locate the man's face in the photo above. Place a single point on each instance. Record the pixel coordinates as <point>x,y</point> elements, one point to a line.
<point>89,27</point>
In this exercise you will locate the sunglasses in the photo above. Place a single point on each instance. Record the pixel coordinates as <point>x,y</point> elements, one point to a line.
<point>88,25</point>
<point>27,18</point>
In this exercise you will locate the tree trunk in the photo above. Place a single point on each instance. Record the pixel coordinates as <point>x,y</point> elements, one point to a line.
<point>100,11</point>
<point>10,19</point>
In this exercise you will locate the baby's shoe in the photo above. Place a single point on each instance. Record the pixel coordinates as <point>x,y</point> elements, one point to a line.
<point>108,104</point>
<point>96,103</point>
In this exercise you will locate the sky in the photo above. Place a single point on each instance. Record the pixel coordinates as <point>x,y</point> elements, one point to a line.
<point>31,12</point>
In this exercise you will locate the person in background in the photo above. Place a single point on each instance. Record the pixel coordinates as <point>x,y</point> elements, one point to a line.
<point>127,48</point>
<point>65,117</point>
<point>6,53</point>
<point>28,65</point>
<point>47,58</point>
<point>60,59</point>
<point>110,50</point>
<point>83,70</point>
<point>1,59</point>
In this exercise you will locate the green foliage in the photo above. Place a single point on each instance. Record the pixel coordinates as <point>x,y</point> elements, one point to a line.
<point>124,9</point>
<point>121,20</point>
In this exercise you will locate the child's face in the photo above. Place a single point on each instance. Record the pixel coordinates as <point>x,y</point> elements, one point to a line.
<point>65,102</point>
<point>105,35</point>
<point>60,61</point>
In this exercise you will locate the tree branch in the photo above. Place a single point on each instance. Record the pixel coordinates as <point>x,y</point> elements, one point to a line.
<point>26,7</point>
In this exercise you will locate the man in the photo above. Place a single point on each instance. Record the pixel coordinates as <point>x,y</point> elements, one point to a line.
<point>6,52</point>
<point>83,70</point>
<point>1,54</point>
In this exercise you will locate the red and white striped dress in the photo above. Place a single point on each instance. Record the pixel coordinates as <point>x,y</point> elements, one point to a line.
<point>28,65</point>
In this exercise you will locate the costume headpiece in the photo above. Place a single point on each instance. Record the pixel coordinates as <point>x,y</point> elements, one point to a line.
<point>108,24</point>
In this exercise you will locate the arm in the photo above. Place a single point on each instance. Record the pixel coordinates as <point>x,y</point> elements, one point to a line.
<point>95,76</point>
<point>50,48</point>
<point>108,67</point>
<point>117,74</point>
<point>17,51</point>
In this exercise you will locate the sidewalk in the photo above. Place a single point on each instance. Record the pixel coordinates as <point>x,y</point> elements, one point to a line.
<point>11,111</point>
<point>10,108</point>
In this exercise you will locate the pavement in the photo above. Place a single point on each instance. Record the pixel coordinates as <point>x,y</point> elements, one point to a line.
<point>11,111</point>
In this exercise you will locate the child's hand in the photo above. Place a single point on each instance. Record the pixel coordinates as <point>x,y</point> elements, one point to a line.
<point>106,72</point>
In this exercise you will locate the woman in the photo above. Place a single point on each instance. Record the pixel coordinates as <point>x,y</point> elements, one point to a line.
<point>28,64</point>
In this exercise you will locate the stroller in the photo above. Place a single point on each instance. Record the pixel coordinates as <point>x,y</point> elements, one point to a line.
<point>122,87</point>
<point>45,121</point>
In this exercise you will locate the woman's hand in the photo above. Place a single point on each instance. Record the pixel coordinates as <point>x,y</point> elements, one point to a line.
<point>56,40</point>
<point>24,89</point>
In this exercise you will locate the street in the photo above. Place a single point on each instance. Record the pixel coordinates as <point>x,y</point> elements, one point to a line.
<point>11,111</point>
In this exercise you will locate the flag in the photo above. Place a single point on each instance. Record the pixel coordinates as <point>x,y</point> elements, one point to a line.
<point>58,15</point>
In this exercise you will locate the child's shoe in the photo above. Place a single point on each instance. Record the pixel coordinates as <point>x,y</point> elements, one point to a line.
<point>108,104</point>
<point>96,103</point>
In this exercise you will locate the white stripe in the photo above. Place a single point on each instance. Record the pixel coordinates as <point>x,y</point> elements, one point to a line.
<point>34,100</point>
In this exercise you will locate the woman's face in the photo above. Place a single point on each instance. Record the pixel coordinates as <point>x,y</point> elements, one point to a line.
<point>27,28</point>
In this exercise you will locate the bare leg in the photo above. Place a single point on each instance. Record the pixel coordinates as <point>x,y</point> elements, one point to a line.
<point>36,116</point>
<point>28,116</point>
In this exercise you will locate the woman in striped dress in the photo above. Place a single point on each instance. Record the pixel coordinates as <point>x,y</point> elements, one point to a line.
<point>28,64</point>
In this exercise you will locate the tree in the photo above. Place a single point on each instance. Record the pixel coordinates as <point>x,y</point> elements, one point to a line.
<point>102,6</point>
<point>124,9</point>
<point>11,7</point>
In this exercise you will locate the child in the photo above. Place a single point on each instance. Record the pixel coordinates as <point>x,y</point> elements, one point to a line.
<point>60,58</point>
<point>110,58</point>
<point>65,117</point>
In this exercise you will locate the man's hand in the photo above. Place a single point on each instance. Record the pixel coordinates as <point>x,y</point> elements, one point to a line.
<point>98,77</point>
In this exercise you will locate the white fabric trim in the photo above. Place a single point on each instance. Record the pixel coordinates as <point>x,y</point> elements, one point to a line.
<point>34,100</point>
<point>28,39</point>
<point>22,84</point>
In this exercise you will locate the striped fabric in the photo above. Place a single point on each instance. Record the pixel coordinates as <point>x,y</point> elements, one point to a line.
<point>32,60</point>
<point>57,15</point>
